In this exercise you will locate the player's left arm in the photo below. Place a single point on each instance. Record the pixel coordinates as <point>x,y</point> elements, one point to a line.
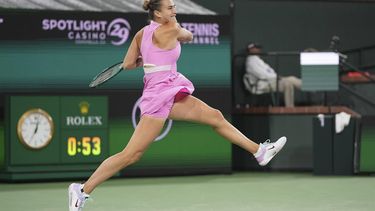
<point>183,35</point>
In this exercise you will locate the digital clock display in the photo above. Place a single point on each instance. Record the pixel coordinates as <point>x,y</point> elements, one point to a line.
<point>84,146</point>
<point>87,146</point>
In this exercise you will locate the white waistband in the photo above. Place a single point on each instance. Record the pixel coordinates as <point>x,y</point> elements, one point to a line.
<point>151,68</point>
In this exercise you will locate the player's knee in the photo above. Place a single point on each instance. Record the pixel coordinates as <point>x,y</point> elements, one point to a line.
<point>217,117</point>
<point>136,157</point>
<point>129,158</point>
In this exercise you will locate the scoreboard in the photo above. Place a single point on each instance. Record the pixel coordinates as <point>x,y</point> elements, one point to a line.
<point>50,137</point>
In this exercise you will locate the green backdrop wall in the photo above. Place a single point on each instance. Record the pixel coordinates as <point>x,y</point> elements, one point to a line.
<point>43,54</point>
<point>44,62</point>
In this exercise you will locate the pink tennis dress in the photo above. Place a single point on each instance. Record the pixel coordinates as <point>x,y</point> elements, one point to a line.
<point>162,83</point>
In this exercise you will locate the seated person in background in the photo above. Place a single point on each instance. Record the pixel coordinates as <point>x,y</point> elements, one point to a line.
<point>262,78</point>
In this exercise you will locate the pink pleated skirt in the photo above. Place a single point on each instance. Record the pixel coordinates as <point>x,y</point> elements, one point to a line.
<point>161,90</point>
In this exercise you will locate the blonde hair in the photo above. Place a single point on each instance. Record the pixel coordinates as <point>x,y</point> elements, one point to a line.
<point>151,6</point>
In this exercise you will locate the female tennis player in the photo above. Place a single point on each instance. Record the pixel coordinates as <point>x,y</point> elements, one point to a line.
<point>166,94</point>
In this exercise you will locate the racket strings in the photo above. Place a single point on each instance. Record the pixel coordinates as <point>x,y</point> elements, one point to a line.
<point>106,75</point>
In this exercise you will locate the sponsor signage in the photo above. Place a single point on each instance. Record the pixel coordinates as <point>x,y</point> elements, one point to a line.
<point>79,135</point>
<point>204,33</point>
<point>84,112</point>
<point>93,28</point>
<point>115,31</point>
<point>84,123</point>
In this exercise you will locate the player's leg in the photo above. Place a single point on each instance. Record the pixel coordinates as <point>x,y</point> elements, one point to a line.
<point>145,133</point>
<point>192,109</point>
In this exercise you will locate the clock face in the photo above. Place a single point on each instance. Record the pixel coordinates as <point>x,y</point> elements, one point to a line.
<point>35,128</point>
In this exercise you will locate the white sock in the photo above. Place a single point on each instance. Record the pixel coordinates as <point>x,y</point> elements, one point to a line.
<point>259,152</point>
<point>85,194</point>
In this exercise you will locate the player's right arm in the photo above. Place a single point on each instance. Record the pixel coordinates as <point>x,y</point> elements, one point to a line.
<point>133,55</point>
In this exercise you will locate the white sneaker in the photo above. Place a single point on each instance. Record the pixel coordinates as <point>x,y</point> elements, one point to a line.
<point>268,150</point>
<point>77,198</point>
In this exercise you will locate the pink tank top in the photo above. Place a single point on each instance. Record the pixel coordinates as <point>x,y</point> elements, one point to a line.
<point>161,88</point>
<point>151,54</point>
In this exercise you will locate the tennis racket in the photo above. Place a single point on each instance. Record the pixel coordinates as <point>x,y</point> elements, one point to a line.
<point>106,74</point>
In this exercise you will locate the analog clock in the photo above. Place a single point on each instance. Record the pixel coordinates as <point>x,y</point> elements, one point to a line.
<point>35,128</point>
